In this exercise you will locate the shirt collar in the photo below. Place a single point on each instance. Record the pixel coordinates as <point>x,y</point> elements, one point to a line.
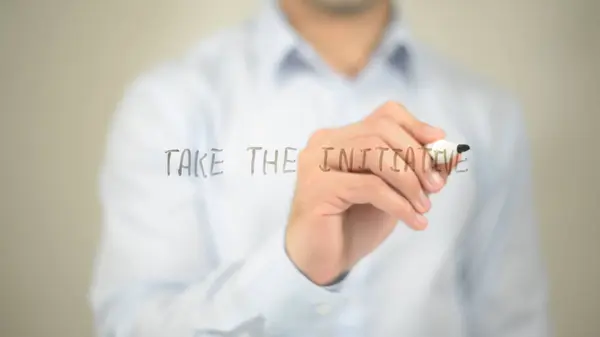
<point>276,40</point>
<point>396,44</point>
<point>279,46</point>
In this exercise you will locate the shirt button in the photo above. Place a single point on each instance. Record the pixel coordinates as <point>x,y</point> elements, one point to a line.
<point>323,309</point>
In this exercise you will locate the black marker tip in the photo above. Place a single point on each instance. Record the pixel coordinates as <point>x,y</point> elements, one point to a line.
<point>462,148</point>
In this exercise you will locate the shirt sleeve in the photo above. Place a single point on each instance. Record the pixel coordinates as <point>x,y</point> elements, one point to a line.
<point>158,271</point>
<point>506,286</point>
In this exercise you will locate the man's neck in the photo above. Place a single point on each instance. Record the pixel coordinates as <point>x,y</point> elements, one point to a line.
<point>344,41</point>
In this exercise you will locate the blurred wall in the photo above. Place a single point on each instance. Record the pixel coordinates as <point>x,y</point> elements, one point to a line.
<point>64,65</point>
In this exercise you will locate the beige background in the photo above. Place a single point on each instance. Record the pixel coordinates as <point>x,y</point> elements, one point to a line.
<point>64,64</point>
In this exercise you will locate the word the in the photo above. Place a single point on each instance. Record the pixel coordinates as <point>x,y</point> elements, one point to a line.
<point>273,162</point>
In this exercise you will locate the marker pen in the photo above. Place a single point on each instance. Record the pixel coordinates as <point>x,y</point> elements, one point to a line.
<point>442,151</point>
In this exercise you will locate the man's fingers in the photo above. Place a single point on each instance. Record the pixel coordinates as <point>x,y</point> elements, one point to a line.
<point>344,145</point>
<point>421,131</point>
<point>357,188</point>
<point>411,151</point>
<point>372,154</point>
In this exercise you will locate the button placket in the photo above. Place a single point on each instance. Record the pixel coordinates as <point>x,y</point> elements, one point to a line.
<point>323,309</point>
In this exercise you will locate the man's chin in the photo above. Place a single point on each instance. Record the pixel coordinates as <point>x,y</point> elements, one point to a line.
<point>344,7</point>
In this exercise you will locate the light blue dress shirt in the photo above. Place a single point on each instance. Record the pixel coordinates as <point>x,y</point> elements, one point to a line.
<point>197,251</point>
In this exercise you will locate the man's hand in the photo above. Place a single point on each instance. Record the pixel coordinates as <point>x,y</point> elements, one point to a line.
<point>354,184</point>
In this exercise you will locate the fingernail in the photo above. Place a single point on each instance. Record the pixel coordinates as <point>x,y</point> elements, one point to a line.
<point>436,180</point>
<point>421,220</point>
<point>424,201</point>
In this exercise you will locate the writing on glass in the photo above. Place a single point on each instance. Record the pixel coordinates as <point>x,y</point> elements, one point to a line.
<point>263,161</point>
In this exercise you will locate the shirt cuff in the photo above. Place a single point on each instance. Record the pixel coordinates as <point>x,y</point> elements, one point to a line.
<point>282,294</point>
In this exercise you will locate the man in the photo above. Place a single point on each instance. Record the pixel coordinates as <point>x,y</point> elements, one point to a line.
<point>234,205</point>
